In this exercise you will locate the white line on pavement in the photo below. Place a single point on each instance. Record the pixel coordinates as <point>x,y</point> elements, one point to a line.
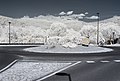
<point>117,60</point>
<point>8,66</point>
<point>90,61</point>
<point>104,61</point>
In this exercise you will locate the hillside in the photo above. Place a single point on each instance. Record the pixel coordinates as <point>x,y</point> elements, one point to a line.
<point>56,29</point>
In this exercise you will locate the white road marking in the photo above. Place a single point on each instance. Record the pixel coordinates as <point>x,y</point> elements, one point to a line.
<point>117,60</point>
<point>58,71</point>
<point>90,61</point>
<point>104,61</point>
<point>8,66</point>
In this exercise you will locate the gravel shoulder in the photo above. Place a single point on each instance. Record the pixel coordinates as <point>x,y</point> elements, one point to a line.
<point>31,70</point>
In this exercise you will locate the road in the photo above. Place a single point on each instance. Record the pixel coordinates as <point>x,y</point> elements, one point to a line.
<point>93,67</point>
<point>96,68</point>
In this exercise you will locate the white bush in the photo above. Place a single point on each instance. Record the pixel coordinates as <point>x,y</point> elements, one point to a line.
<point>57,29</point>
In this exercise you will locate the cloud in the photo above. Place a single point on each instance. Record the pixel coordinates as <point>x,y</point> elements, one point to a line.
<point>86,13</point>
<point>62,13</point>
<point>82,15</point>
<point>92,17</point>
<point>69,12</point>
<point>78,16</point>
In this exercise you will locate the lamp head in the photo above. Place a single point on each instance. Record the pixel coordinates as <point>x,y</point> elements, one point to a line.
<point>9,22</point>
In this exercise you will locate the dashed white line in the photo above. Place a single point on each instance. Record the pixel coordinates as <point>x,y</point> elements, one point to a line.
<point>104,61</point>
<point>117,61</point>
<point>90,62</point>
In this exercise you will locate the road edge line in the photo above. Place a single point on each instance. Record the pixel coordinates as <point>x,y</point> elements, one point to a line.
<point>8,66</point>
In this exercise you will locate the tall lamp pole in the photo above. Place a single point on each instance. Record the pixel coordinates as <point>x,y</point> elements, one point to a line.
<point>98,14</point>
<point>9,33</point>
<point>113,37</point>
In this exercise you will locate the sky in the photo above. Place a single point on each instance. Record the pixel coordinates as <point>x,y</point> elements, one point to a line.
<point>20,8</point>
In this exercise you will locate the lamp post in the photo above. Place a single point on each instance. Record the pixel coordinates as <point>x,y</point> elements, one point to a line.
<point>113,37</point>
<point>64,74</point>
<point>98,14</point>
<point>9,33</point>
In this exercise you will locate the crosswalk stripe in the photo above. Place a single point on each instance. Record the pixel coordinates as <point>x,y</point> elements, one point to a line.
<point>90,61</point>
<point>117,60</point>
<point>104,61</point>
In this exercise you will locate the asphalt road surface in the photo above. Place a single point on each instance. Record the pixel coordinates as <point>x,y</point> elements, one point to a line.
<point>93,67</point>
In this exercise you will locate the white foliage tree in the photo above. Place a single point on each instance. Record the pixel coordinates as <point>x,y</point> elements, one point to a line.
<point>57,29</point>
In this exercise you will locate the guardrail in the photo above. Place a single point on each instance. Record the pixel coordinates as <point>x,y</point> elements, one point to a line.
<point>21,43</point>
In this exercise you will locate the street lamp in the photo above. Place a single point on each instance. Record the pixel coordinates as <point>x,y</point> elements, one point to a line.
<point>113,37</point>
<point>64,74</point>
<point>9,32</point>
<point>98,14</point>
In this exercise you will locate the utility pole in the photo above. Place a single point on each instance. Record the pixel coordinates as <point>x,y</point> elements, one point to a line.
<point>9,33</point>
<point>98,14</point>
